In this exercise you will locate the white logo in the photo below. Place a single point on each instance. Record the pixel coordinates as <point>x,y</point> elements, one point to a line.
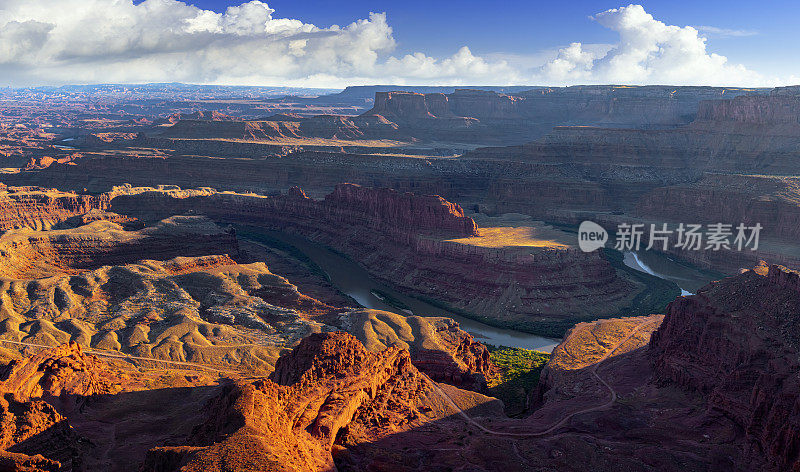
<point>591,236</point>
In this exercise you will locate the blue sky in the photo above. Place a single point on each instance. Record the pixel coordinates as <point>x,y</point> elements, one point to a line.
<point>295,43</point>
<point>770,39</point>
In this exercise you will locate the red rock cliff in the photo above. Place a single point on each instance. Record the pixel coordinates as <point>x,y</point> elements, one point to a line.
<point>327,385</point>
<point>397,210</point>
<point>34,207</point>
<point>737,341</point>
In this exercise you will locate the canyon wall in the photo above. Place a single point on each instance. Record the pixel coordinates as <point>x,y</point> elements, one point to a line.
<point>774,202</point>
<point>780,107</point>
<point>33,207</point>
<point>618,106</point>
<point>28,254</point>
<point>736,342</point>
<point>410,241</point>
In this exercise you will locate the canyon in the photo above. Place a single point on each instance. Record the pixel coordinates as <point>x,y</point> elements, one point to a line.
<point>163,306</point>
<point>635,392</point>
<point>425,245</point>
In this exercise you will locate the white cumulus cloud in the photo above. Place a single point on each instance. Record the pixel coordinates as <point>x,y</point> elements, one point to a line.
<point>77,41</point>
<point>102,41</point>
<point>648,52</point>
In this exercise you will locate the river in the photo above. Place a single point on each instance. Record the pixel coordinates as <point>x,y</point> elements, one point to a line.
<point>353,280</point>
<point>688,279</point>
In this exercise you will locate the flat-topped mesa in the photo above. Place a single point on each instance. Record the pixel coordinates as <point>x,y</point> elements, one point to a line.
<point>773,109</point>
<point>402,210</point>
<point>738,342</point>
<point>405,106</point>
<point>420,113</point>
<point>463,104</point>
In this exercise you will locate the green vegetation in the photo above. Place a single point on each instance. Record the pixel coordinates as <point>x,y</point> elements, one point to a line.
<point>518,376</point>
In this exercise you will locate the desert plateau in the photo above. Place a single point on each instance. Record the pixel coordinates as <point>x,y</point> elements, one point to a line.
<point>240,237</point>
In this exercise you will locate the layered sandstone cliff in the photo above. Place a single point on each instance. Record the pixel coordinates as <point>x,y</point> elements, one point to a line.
<point>781,109</point>
<point>530,113</point>
<point>37,208</point>
<point>421,244</point>
<point>737,342</point>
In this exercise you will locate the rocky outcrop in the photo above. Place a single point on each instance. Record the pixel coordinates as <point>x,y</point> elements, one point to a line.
<point>583,347</point>
<point>438,347</point>
<point>328,385</point>
<point>737,343</point>
<point>38,391</point>
<point>463,361</point>
<point>13,462</point>
<point>63,370</point>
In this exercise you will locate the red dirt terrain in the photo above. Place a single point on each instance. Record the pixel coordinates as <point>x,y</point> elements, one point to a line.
<point>611,397</point>
<point>150,319</point>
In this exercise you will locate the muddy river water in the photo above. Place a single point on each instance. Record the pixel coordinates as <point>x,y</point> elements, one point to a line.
<point>353,280</point>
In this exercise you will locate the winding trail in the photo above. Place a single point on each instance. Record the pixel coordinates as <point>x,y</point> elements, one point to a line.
<point>435,385</point>
<point>128,357</point>
<point>563,420</point>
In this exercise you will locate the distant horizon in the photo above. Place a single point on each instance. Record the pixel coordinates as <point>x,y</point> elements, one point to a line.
<point>455,86</point>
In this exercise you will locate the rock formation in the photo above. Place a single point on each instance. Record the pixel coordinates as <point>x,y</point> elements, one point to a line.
<point>26,254</point>
<point>736,342</point>
<point>64,370</point>
<point>438,347</point>
<point>31,207</point>
<point>423,245</point>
